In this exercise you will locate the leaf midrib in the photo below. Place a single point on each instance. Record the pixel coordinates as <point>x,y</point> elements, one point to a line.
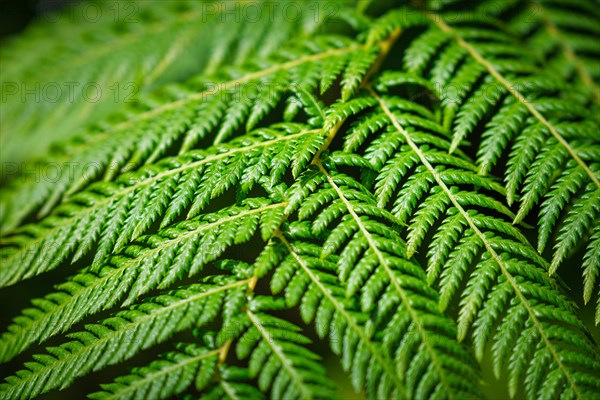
<point>147,181</point>
<point>381,359</point>
<point>276,349</point>
<point>153,314</point>
<point>131,387</point>
<point>438,21</point>
<point>101,280</point>
<point>393,280</point>
<point>489,248</point>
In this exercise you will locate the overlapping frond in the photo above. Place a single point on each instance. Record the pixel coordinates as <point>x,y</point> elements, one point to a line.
<point>119,337</point>
<point>109,215</point>
<point>564,34</point>
<point>473,243</point>
<point>156,260</point>
<point>169,375</point>
<point>277,354</point>
<point>523,121</point>
<point>311,283</point>
<point>373,265</point>
<point>87,74</point>
<point>176,118</point>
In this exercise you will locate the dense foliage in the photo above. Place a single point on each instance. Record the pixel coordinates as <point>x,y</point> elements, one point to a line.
<point>411,189</point>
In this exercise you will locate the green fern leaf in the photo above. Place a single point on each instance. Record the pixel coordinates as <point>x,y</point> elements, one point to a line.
<point>173,373</point>
<point>234,384</point>
<point>374,266</point>
<point>116,147</point>
<point>498,75</point>
<point>75,226</point>
<point>277,356</point>
<point>501,258</point>
<point>154,261</point>
<point>117,338</point>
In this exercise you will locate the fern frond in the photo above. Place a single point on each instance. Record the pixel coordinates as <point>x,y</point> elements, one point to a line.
<point>508,269</point>
<point>234,384</point>
<point>311,282</point>
<point>478,54</point>
<point>277,354</point>
<point>523,113</point>
<point>120,337</point>
<point>90,74</point>
<point>408,183</point>
<point>373,265</point>
<point>170,375</point>
<point>153,261</point>
<point>138,135</point>
<point>113,214</point>
<point>565,40</point>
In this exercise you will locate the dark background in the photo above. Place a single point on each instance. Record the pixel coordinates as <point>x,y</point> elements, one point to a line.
<point>16,14</point>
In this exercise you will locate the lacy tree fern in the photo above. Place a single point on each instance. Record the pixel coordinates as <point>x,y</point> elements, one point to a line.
<point>411,190</point>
